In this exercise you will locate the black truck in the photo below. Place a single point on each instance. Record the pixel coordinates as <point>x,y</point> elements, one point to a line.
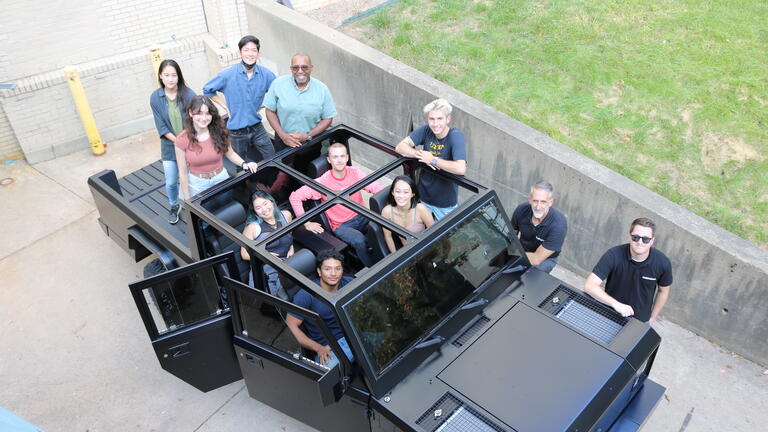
<point>455,331</point>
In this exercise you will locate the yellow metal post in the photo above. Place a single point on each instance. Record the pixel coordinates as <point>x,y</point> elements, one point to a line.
<point>156,56</point>
<point>84,110</point>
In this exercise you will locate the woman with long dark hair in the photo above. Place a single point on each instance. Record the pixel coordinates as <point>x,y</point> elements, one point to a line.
<point>201,147</point>
<point>169,107</point>
<point>403,208</point>
<point>269,219</point>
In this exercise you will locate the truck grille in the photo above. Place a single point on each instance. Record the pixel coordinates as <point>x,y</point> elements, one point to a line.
<point>450,414</point>
<point>586,315</point>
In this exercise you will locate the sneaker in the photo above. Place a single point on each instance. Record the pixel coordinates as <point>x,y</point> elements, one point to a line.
<point>173,215</point>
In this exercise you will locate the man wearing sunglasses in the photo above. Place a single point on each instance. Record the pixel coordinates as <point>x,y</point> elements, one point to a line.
<point>633,273</point>
<point>298,107</point>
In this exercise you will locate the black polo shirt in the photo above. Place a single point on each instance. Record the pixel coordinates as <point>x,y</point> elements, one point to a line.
<point>631,282</point>
<point>550,232</point>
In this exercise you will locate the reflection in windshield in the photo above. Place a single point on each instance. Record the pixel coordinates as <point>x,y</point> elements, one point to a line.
<point>409,301</point>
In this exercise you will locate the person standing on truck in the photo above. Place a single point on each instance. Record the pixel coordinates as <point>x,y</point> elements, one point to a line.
<point>201,147</point>
<point>443,149</point>
<point>169,107</point>
<point>634,273</point>
<point>346,224</point>
<point>298,107</point>
<point>330,269</point>
<point>269,219</point>
<point>541,227</point>
<point>244,86</point>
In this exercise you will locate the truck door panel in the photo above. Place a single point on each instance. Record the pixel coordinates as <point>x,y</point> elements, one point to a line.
<point>189,324</point>
<point>277,372</point>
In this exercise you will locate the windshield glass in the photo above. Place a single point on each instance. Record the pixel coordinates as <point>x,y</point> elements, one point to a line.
<point>410,300</point>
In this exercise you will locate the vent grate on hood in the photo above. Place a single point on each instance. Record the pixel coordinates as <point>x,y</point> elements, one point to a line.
<point>583,313</point>
<point>450,414</point>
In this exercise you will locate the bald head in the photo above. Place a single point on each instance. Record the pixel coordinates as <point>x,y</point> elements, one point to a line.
<point>305,57</point>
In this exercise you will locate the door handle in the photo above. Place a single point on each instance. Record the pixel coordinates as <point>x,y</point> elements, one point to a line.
<point>177,351</point>
<point>252,359</point>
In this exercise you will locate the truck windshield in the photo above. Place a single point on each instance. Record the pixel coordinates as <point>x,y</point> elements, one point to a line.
<point>413,298</point>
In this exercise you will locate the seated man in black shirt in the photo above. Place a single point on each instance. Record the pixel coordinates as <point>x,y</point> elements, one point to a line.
<point>541,227</point>
<point>330,268</point>
<point>633,272</point>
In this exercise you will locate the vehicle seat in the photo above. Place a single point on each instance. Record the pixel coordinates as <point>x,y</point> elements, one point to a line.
<point>303,261</point>
<point>317,167</point>
<point>233,214</point>
<point>375,235</point>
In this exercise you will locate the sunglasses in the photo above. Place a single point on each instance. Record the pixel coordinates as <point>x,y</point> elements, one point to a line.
<point>637,238</point>
<point>302,67</point>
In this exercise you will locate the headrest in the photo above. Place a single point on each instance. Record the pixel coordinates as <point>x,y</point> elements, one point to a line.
<point>318,166</point>
<point>232,213</point>
<point>379,200</point>
<point>303,261</point>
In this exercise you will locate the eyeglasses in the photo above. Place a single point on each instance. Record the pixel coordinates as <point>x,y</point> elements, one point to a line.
<point>296,68</point>
<point>636,238</point>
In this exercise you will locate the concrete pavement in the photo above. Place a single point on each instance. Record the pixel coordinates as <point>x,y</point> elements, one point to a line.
<point>74,355</point>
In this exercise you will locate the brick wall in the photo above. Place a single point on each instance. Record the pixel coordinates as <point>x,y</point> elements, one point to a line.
<point>226,20</point>
<point>45,119</point>
<point>44,35</point>
<point>107,40</point>
<point>9,145</point>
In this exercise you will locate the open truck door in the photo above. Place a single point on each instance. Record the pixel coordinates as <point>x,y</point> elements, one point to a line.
<point>187,318</point>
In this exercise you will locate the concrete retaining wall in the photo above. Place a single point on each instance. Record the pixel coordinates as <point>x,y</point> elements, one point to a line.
<point>720,289</point>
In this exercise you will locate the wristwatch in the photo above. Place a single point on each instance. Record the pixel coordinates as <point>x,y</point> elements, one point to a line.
<point>242,165</point>
<point>309,137</point>
<point>434,162</point>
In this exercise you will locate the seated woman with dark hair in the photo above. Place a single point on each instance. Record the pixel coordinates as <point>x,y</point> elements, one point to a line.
<point>269,219</point>
<point>404,209</point>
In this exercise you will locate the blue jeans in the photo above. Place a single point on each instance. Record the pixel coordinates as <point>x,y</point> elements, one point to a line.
<point>439,212</point>
<point>547,265</point>
<point>333,361</point>
<point>199,184</point>
<point>351,232</point>
<point>252,144</point>
<point>171,172</point>
<point>273,282</point>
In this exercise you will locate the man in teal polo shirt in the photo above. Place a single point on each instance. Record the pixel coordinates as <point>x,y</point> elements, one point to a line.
<point>298,107</point>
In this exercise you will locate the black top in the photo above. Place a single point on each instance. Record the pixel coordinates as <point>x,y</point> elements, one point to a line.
<point>550,232</point>
<point>308,301</point>
<point>434,189</point>
<point>631,282</point>
<point>280,246</point>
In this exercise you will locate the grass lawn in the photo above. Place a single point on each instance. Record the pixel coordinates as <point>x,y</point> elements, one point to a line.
<point>672,94</point>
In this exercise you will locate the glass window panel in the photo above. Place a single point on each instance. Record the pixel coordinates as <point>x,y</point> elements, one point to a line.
<point>184,301</point>
<point>408,302</point>
<point>261,322</point>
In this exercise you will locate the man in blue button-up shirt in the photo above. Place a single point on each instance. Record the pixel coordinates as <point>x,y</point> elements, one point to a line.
<point>244,86</point>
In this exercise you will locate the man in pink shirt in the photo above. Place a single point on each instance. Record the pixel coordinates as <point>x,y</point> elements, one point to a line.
<point>345,223</point>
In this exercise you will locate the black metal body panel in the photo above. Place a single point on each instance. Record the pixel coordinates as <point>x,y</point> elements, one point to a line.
<point>518,371</point>
<point>296,395</point>
<point>121,209</point>
<point>640,408</point>
<point>200,354</point>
